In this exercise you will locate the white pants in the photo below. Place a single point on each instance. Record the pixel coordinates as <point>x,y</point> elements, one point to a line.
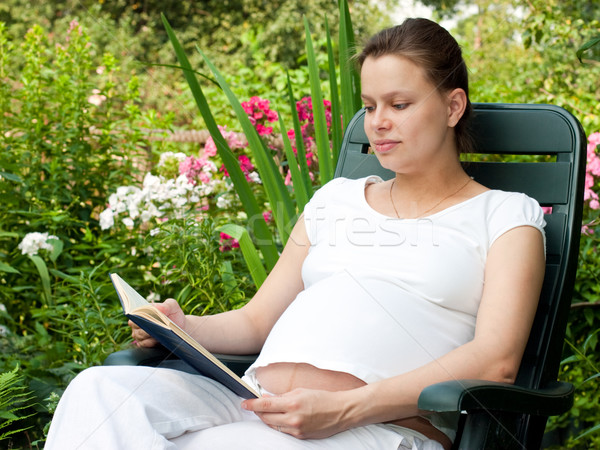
<point>145,408</point>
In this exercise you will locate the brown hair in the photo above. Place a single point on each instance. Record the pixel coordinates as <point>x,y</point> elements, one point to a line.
<point>431,47</point>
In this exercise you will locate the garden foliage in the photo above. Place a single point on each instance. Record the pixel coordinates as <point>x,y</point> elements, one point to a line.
<point>70,136</point>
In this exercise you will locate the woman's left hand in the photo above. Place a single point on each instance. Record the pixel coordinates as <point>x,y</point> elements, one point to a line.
<point>302,413</point>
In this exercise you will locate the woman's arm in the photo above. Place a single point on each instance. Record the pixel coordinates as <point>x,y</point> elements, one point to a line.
<point>513,277</point>
<point>244,331</point>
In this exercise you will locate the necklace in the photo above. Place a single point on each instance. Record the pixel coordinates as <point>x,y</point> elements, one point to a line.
<point>434,206</point>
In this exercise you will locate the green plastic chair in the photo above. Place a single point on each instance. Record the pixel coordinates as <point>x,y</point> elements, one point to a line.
<point>499,415</point>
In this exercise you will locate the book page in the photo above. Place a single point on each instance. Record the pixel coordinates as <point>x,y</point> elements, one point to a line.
<point>133,298</point>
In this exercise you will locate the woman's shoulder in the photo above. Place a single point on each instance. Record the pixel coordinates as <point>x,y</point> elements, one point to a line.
<point>505,210</point>
<point>499,199</point>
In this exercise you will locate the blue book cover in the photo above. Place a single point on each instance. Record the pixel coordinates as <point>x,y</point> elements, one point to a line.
<point>176,340</point>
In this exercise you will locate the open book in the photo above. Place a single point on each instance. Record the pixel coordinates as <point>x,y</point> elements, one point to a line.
<point>165,331</point>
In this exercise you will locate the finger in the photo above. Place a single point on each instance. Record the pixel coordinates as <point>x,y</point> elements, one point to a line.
<point>265,404</point>
<point>169,306</point>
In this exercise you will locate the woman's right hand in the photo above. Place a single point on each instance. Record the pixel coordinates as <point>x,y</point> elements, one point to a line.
<point>171,309</point>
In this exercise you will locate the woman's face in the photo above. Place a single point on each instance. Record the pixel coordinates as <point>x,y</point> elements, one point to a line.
<point>408,122</point>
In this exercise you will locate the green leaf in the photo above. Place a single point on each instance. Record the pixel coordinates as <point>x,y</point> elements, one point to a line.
<point>257,271</point>
<point>588,432</point>
<point>349,77</point>
<point>301,152</point>
<point>593,377</point>
<point>44,275</point>
<point>8,269</point>
<point>321,137</point>
<point>272,180</point>
<point>11,177</point>
<point>336,117</point>
<point>57,248</point>
<point>228,276</point>
<point>261,230</point>
<point>300,189</point>
<point>587,46</point>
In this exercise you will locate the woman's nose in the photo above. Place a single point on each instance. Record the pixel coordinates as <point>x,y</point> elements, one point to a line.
<point>379,120</point>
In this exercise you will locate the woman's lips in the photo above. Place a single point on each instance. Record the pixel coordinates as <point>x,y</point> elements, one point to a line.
<point>385,146</point>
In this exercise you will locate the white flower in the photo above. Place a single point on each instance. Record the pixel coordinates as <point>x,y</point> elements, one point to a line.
<point>34,242</point>
<point>168,155</point>
<point>107,219</point>
<point>151,181</point>
<point>4,331</point>
<point>255,177</point>
<point>128,222</point>
<point>153,297</point>
<point>154,231</point>
<point>146,216</point>
<point>223,202</point>
<point>2,307</point>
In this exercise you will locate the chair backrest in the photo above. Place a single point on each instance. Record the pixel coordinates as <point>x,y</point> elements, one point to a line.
<point>554,179</point>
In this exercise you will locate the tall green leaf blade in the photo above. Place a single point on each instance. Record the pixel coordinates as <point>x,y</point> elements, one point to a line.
<point>301,152</point>
<point>300,188</point>
<point>257,271</point>
<point>277,192</point>
<point>44,275</point>
<point>349,77</point>
<point>260,228</point>
<point>336,123</point>
<point>321,137</point>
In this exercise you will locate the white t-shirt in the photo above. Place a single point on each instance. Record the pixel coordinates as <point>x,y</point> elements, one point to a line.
<point>383,296</point>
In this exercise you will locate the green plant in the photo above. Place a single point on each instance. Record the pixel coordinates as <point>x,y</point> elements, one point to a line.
<point>71,133</point>
<point>285,208</point>
<point>187,263</point>
<point>14,399</point>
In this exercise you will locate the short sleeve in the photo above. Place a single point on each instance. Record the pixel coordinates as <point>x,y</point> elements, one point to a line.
<point>516,210</point>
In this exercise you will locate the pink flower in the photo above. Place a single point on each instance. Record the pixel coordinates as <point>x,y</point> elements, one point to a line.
<point>268,216</point>
<point>96,98</point>
<point>196,169</point>
<point>245,164</point>
<point>586,229</point>
<point>262,130</point>
<point>260,115</point>
<point>227,242</point>
<point>592,171</point>
<point>74,25</point>
<point>210,148</point>
<point>594,139</point>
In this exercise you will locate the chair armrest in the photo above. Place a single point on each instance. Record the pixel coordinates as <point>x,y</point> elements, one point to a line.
<point>466,395</point>
<point>160,356</point>
<point>139,356</point>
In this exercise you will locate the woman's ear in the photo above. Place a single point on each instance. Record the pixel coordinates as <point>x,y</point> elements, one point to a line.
<point>457,103</point>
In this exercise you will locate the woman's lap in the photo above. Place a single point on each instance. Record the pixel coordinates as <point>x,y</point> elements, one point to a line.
<point>143,407</point>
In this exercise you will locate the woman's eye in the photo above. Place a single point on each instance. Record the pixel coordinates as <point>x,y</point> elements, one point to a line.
<point>369,108</point>
<point>401,106</point>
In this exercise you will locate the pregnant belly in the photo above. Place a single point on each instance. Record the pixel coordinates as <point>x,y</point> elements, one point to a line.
<point>279,378</point>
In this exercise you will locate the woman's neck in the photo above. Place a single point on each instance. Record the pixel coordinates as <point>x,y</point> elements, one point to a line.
<point>414,196</point>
